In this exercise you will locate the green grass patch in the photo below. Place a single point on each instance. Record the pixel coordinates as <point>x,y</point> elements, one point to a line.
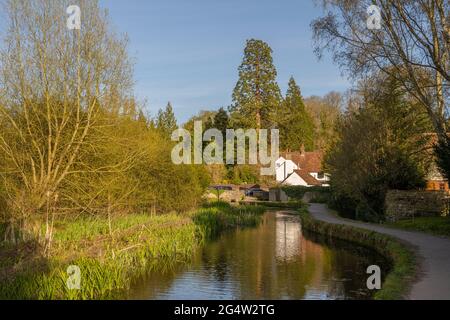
<point>398,282</point>
<point>276,204</point>
<point>439,226</point>
<point>216,217</point>
<point>110,264</point>
<point>297,192</point>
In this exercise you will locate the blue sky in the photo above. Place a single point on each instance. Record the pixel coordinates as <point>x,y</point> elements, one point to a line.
<point>188,52</point>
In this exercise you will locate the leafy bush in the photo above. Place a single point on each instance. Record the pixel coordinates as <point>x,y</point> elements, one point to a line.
<point>297,192</point>
<point>377,147</point>
<point>442,152</point>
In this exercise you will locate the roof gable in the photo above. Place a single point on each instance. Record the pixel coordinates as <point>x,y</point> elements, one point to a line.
<point>305,176</point>
<point>309,161</point>
<point>309,179</point>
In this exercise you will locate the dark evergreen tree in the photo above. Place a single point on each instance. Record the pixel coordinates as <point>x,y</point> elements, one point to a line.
<point>256,96</point>
<point>221,120</point>
<point>166,121</point>
<point>296,125</point>
<point>442,152</point>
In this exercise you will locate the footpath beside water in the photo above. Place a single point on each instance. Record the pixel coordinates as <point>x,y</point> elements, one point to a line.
<point>434,254</point>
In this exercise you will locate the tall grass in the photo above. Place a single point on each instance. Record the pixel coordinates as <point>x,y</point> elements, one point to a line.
<point>218,216</point>
<point>110,264</point>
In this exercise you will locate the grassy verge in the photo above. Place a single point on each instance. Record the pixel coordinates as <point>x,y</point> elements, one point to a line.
<point>218,216</point>
<point>109,264</point>
<point>274,204</point>
<point>403,260</point>
<point>439,226</point>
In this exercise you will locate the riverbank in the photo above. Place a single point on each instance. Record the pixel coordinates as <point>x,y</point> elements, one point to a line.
<point>403,261</point>
<point>109,262</point>
<point>274,260</point>
<point>432,256</point>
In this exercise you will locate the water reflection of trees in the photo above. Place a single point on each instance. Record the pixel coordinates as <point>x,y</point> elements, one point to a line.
<point>270,262</point>
<point>274,261</point>
<point>350,262</point>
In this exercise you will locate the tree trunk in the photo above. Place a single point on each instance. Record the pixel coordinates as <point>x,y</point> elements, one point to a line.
<point>258,119</point>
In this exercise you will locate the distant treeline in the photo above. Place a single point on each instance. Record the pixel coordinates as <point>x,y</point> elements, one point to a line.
<point>259,104</point>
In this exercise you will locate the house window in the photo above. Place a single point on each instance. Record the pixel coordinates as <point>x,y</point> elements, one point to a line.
<point>320,175</point>
<point>441,186</point>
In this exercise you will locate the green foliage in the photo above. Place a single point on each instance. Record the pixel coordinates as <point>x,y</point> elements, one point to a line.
<point>324,112</point>
<point>256,96</point>
<point>434,225</point>
<point>108,265</point>
<point>243,174</point>
<point>297,192</point>
<point>166,121</point>
<point>276,204</point>
<point>111,264</point>
<point>376,148</point>
<point>206,117</point>
<point>218,216</point>
<point>323,197</point>
<point>295,124</point>
<point>221,121</point>
<point>442,152</point>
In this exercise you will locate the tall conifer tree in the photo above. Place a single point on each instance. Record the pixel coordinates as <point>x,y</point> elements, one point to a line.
<point>296,125</point>
<point>256,96</point>
<point>166,121</point>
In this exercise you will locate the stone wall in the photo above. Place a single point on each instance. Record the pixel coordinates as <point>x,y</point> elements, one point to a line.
<point>401,204</point>
<point>277,194</point>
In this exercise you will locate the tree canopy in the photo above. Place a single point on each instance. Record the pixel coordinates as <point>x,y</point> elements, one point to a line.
<point>256,96</point>
<point>295,123</point>
<point>166,121</point>
<point>378,146</point>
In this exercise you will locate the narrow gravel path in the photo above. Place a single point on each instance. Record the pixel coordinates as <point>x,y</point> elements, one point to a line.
<point>434,282</point>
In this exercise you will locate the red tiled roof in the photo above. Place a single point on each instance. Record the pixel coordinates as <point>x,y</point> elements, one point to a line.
<point>309,161</point>
<point>309,179</point>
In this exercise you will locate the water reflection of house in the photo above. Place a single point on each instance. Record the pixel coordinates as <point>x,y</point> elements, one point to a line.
<point>288,238</point>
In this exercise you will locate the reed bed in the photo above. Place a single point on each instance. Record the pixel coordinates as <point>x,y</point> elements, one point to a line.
<point>219,216</point>
<point>111,263</point>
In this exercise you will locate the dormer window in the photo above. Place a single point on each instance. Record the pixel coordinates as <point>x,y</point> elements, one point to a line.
<point>321,175</point>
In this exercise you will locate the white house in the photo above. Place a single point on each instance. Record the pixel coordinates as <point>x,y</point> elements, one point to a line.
<point>301,169</point>
<point>284,168</point>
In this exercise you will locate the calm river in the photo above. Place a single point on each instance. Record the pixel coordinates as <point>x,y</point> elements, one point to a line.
<point>276,260</point>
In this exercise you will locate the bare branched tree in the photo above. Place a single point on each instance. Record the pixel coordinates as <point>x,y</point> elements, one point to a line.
<point>55,85</point>
<point>412,46</point>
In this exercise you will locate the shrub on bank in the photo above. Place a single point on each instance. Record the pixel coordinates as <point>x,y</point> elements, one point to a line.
<point>297,192</point>
<point>218,216</point>
<point>275,204</point>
